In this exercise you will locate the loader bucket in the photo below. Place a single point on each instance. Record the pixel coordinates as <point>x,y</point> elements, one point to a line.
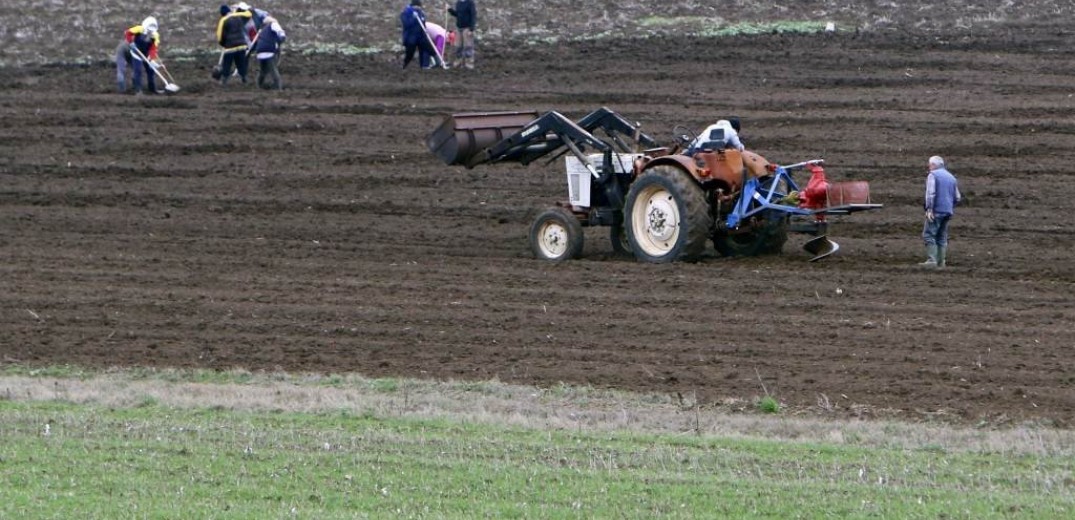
<point>462,136</point>
<point>820,247</point>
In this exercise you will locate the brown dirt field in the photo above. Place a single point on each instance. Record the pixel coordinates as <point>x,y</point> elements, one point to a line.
<point>310,230</point>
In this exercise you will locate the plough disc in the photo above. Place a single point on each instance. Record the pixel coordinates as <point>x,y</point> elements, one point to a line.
<point>820,247</point>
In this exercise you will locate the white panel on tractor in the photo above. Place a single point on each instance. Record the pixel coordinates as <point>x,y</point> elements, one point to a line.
<point>578,177</point>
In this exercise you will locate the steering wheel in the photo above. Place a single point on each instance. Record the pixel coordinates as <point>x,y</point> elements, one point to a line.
<point>683,135</point>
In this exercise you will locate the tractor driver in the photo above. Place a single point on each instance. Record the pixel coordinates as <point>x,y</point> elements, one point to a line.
<point>718,136</point>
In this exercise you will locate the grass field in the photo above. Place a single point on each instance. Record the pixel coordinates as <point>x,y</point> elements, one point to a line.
<point>148,444</point>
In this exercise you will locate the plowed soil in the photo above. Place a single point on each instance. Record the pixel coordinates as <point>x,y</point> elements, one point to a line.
<point>310,230</point>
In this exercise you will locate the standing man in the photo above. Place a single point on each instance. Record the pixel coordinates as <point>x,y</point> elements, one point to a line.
<point>942,197</point>
<point>145,39</point>
<point>269,41</point>
<point>413,20</point>
<point>232,36</point>
<point>466,21</point>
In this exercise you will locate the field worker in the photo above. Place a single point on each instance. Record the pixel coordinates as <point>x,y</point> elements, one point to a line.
<point>439,35</point>
<point>267,49</point>
<point>466,22</point>
<point>257,18</point>
<point>145,39</point>
<point>942,197</point>
<point>232,36</point>
<point>720,135</point>
<point>413,21</point>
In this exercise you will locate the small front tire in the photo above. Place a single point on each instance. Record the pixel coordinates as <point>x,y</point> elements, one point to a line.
<point>556,235</point>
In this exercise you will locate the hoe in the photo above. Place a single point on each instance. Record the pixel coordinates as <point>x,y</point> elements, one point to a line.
<point>662,204</point>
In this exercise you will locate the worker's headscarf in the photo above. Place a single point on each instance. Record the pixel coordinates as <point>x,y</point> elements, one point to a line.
<point>149,25</point>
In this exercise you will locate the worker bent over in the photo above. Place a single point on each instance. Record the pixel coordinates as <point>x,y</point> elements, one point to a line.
<point>138,52</point>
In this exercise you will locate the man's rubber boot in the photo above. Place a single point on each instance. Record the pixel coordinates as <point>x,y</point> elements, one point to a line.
<point>942,252</point>
<point>931,257</point>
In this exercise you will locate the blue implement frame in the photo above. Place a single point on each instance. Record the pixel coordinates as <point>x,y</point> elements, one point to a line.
<point>756,199</point>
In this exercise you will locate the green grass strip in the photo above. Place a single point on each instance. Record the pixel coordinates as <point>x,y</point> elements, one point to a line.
<point>60,460</point>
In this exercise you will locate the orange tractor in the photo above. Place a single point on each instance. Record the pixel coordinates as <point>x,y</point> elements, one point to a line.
<point>661,203</point>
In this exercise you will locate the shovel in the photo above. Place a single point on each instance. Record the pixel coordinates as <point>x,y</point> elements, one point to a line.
<point>820,247</point>
<point>218,69</point>
<point>168,85</point>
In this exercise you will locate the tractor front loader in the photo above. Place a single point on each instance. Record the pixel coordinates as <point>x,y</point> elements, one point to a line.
<point>662,204</point>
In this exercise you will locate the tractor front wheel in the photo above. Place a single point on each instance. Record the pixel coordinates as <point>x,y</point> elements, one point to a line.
<point>667,216</point>
<point>556,235</point>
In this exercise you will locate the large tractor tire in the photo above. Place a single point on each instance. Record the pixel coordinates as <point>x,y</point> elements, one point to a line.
<point>556,235</point>
<point>667,216</point>
<point>767,238</point>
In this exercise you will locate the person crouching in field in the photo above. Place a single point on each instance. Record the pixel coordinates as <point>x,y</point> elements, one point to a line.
<point>141,39</point>
<point>267,48</point>
<point>439,36</point>
<point>232,36</point>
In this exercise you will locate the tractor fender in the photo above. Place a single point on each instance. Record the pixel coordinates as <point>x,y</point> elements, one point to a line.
<point>684,163</point>
<point>727,168</point>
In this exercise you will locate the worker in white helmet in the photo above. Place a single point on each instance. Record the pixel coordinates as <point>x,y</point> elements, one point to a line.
<point>140,41</point>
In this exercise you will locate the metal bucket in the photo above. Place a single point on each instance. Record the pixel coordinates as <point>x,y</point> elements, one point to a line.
<point>462,136</point>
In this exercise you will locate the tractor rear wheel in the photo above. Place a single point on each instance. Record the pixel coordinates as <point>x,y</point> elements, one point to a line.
<point>768,236</point>
<point>556,235</point>
<point>767,239</point>
<point>667,216</point>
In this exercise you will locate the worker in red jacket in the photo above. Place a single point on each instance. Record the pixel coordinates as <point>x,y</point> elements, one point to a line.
<point>140,41</point>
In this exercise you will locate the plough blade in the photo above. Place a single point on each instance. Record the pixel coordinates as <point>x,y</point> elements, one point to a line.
<point>820,247</point>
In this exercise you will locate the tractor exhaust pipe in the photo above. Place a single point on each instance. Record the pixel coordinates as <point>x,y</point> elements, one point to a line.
<point>820,247</point>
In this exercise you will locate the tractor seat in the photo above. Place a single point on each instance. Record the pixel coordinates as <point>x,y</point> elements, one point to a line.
<point>715,142</point>
<point>710,146</point>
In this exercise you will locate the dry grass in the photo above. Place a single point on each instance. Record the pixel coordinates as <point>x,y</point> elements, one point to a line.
<point>560,408</point>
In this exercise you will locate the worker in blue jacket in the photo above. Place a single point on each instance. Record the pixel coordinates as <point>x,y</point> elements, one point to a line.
<point>267,48</point>
<point>413,20</point>
<point>942,197</point>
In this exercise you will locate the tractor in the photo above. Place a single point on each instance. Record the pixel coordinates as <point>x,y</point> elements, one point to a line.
<point>661,203</point>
